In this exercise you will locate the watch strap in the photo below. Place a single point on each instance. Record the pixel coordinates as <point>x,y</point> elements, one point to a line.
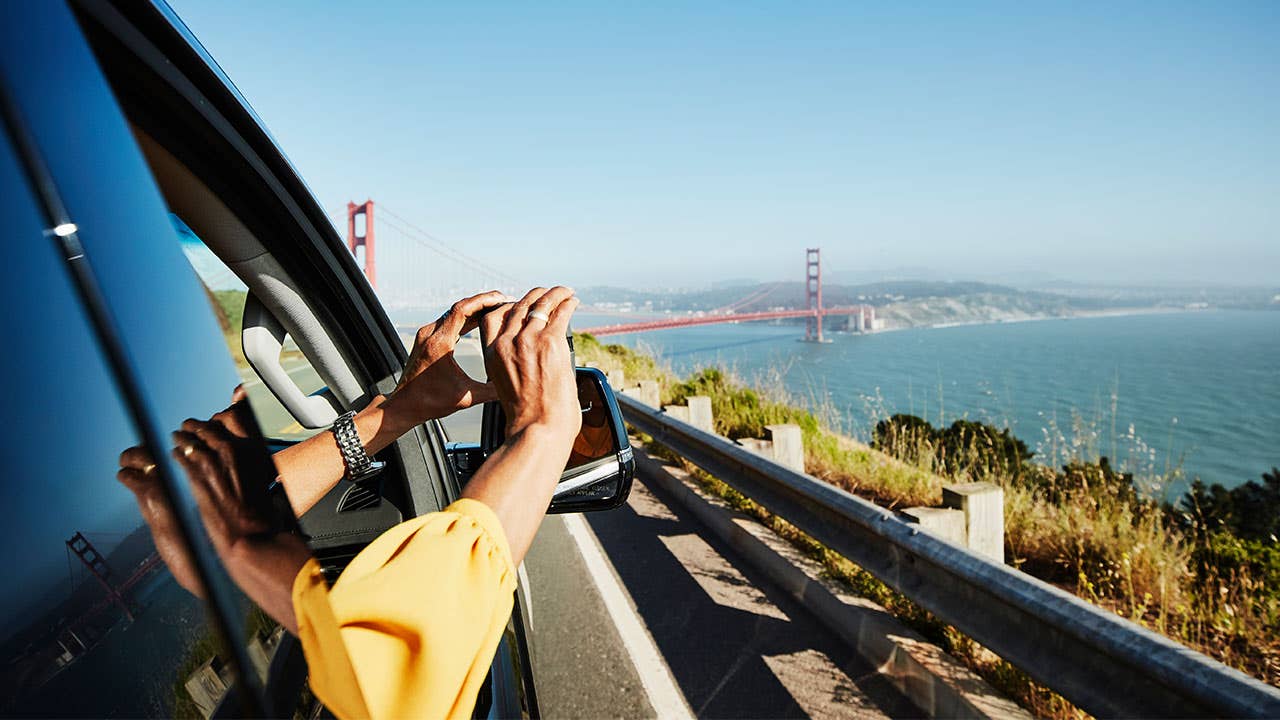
<point>359,464</point>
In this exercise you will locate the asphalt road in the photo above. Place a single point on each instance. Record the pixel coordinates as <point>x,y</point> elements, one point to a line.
<point>737,646</point>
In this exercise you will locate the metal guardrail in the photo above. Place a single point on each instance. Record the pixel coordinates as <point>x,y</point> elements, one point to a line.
<point>1102,663</point>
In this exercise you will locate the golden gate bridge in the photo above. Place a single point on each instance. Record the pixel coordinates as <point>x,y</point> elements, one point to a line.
<point>411,278</point>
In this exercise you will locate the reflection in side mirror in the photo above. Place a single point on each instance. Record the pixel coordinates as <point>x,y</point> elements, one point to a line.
<point>601,466</point>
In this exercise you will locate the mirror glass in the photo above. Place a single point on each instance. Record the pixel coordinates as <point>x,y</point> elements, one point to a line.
<point>596,439</point>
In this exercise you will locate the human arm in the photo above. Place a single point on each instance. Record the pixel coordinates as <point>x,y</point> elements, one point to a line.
<point>432,386</point>
<point>410,627</point>
<point>528,361</point>
<point>229,470</point>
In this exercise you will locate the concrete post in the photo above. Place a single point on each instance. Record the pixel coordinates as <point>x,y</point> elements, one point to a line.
<point>649,393</point>
<point>945,523</point>
<point>788,445</point>
<point>764,448</point>
<point>679,412</point>
<point>700,413</point>
<point>983,507</point>
<point>617,379</point>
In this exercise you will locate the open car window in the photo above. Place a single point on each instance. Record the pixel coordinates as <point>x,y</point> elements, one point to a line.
<point>227,293</point>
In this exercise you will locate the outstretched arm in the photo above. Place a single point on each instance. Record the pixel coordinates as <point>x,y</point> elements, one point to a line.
<point>433,386</point>
<point>529,364</point>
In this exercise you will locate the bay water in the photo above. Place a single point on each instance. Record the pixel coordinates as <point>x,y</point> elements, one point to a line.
<point>1179,394</point>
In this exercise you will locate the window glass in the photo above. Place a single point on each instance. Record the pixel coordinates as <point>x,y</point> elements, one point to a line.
<point>226,294</point>
<point>92,621</point>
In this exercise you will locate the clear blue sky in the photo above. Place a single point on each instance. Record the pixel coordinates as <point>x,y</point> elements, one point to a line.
<point>677,143</point>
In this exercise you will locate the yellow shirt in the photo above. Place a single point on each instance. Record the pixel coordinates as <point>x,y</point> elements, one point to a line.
<point>411,626</point>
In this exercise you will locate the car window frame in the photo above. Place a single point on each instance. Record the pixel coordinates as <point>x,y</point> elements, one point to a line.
<point>210,129</point>
<point>50,51</point>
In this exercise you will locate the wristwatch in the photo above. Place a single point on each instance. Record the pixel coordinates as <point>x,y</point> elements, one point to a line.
<point>359,465</point>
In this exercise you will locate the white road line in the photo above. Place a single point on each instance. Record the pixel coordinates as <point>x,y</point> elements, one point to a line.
<point>664,695</point>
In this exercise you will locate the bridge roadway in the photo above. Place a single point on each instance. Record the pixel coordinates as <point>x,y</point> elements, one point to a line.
<point>640,612</point>
<point>678,322</point>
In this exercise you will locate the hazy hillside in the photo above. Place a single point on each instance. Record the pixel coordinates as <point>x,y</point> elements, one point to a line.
<point>792,294</point>
<point>913,303</point>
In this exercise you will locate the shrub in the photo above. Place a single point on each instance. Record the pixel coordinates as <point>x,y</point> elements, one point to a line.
<point>965,448</point>
<point>1250,511</point>
<point>981,451</point>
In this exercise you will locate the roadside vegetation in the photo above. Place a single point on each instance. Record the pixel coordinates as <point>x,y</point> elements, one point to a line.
<point>1203,570</point>
<point>228,307</point>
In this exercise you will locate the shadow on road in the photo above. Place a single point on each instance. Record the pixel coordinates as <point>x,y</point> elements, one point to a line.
<point>732,646</point>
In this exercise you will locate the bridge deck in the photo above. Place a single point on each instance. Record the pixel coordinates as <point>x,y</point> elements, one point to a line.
<point>664,324</point>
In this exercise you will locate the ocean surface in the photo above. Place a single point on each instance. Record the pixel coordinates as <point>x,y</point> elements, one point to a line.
<point>1180,395</point>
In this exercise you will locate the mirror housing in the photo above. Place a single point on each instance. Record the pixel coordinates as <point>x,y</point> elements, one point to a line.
<point>602,466</point>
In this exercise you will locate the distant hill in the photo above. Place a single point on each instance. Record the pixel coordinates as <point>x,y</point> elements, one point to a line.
<point>764,296</point>
<point>916,303</point>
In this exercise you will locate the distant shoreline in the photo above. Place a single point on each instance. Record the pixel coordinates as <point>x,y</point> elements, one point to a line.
<point>406,330</point>
<point>1117,312</point>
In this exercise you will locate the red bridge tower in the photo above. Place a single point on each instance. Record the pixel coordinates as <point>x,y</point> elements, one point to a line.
<point>92,559</point>
<point>366,239</point>
<point>813,286</point>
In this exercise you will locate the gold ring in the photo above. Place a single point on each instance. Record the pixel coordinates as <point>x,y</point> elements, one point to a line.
<point>150,468</point>
<point>539,315</point>
<point>188,451</point>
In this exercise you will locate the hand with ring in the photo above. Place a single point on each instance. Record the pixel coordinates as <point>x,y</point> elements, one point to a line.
<point>433,384</point>
<point>138,474</point>
<point>528,361</point>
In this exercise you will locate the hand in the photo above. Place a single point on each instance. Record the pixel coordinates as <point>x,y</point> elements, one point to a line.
<point>229,469</point>
<point>138,473</point>
<point>433,384</point>
<point>529,365</point>
<point>229,473</point>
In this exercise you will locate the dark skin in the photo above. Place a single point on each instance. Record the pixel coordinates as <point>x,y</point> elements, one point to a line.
<point>229,468</point>
<point>227,474</point>
<point>432,386</point>
<point>138,473</point>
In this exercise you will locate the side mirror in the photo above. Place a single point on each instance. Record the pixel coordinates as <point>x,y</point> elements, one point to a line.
<point>600,469</point>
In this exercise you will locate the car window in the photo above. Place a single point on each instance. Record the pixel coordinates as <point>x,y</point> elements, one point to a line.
<point>101,617</point>
<point>92,621</point>
<point>226,293</point>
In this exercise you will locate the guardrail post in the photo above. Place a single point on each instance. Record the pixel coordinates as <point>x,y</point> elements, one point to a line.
<point>788,445</point>
<point>649,394</point>
<point>617,379</point>
<point>700,413</point>
<point>946,523</point>
<point>679,412</point>
<point>983,506</point>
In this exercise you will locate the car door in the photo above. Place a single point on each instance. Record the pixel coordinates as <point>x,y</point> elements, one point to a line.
<point>113,347</point>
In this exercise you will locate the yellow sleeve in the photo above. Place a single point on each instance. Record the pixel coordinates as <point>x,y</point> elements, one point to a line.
<point>411,626</point>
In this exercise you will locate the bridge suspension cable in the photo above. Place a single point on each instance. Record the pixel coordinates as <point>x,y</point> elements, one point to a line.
<point>756,296</point>
<point>431,242</point>
<point>403,275</point>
